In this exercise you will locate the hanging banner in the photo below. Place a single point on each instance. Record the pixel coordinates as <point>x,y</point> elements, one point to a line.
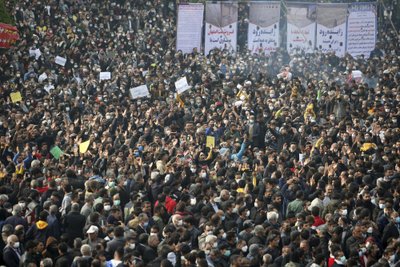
<point>361,29</point>
<point>221,26</point>
<point>301,26</point>
<point>190,23</point>
<point>331,28</point>
<point>8,35</point>
<point>263,32</point>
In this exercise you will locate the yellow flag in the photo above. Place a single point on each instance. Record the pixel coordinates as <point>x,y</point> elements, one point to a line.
<point>83,147</point>
<point>210,141</point>
<point>16,97</point>
<point>180,101</point>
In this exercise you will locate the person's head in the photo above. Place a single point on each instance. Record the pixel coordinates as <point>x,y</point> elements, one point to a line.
<point>92,232</point>
<point>86,250</point>
<point>12,241</point>
<point>177,220</point>
<point>62,248</point>
<point>75,207</point>
<point>143,219</point>
<point>46,262</point>
<point>119,253</point>
<point>119,231</point>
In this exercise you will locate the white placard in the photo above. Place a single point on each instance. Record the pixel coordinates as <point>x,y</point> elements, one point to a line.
<point>263,31</point>
<point>106,75</point>
<point>331,28</point>
<point>361,29</point>
<point>42,77</point>
<point>61,61</point>
<point>140,91</point>
<point>181,85</point>
<point>190,23</point>
<point>32,52</point>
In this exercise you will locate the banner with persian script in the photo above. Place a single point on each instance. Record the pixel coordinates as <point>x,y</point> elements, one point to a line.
<point>361,29</point>
<point>189,26</point>
<point>331,28</point>
<point>221,26</point>
<point>263,32</point>
<point>301,27</point>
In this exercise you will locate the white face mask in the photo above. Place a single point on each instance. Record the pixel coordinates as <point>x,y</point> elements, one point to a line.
<point>344,212</point>
<point>21,204</point>
<point>381,206</point>
<point>107,207</point>
<point>16,245</point>
<point>247,213</point>
<point>132,246</point>
<point>244,249</point>
<point>193,201</point>
<point>180,222</point>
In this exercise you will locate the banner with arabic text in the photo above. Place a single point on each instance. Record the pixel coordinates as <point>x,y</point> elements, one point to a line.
<point>263,32</point>
<point>221,26</point>
<point>8,35</point>
<point>301,26</point>
<point>331,28</point>
<point>190,24</point>
<point>361,29</point>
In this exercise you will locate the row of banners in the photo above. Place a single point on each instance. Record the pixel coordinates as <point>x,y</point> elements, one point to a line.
<point>327,27</point>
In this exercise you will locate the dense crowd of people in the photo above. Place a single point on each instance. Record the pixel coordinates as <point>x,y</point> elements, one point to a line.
<point>302,167</point>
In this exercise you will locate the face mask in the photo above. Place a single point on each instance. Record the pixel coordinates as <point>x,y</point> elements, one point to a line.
<point>397,220</point>
<point>132,246</point>
<point>247,213</point>
<point>16,245</point>
<point>227,253</point>
<point>180,222</point>
<point>224,235</point>
<point>344,212</point>
<point>21,204</point>
<point>381,206</point>
<point>343,259</point>
<point>223,218</point>
<point>235,210</point>
<point>146,224</point>
<point>203,175</point>
<point>193,170</point>
<point>256,204</point>
<point>244,249</point>
<point>107,207</point>
<point>117,202</point>
<point>215,245</point>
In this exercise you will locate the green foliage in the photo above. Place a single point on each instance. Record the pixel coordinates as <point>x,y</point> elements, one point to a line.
<point>5,14</point>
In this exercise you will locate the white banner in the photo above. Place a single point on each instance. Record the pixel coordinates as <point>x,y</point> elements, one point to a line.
<point>190,23</point>
<point>60,61</point>
<point>361,29</point>
<point>106,75</point>
<point>331,28</point>
<point>139,91</point>
<point>301,26</point>
<point>221,26</point>
<point>182,85</point>
<point>263,32</point>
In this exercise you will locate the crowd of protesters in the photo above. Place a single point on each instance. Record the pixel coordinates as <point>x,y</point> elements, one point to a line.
<point>304,170</point>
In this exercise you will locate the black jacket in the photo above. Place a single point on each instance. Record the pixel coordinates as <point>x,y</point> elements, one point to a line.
<point>74,222</point>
